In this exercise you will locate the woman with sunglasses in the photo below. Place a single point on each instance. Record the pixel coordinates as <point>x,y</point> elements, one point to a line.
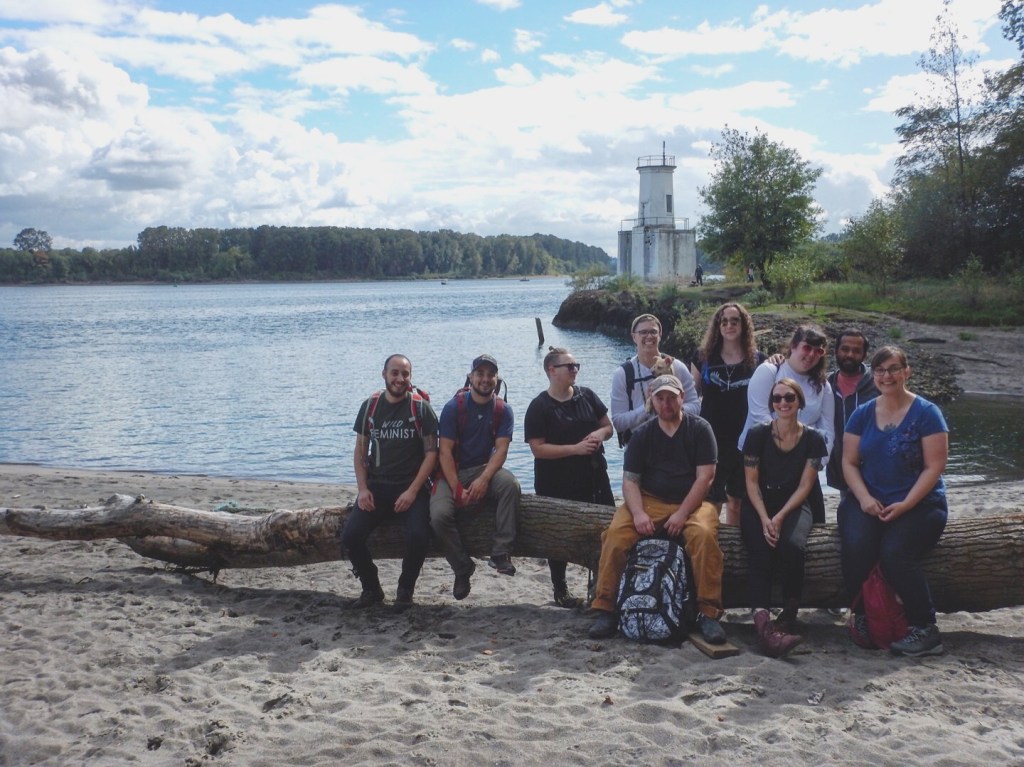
<point>566,427</point>
<point>894,452</point>
<point>781,461</point>
<point>722,370</point>
<point>805,364</point>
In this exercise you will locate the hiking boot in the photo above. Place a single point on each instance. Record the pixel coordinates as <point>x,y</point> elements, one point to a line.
<point>773,643</point>
<point>858,627</point>
<point>503,564</point>
<point>919,641</point>
<point>606,625</point>
<point>370,597</point>
<point>461,588</point>
<point>710,629</point>
<point>564,597</point>
<point>403,598</point>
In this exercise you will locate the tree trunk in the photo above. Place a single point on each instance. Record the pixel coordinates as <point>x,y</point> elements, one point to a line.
<point>977,565</point>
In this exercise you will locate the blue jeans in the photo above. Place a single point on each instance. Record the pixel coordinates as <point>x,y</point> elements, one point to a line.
<point>898,545</point>
<point>361,523</point>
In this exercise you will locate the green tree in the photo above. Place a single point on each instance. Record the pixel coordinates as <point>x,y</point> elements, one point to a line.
<point>759,200</point>
<point>939,136</point>
<point>788,272</point>
<point>32,240</point>
<point>1001,197</point>
<point>873,244</point>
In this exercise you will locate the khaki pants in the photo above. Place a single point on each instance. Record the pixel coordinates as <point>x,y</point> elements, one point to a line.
<point>700,537</point>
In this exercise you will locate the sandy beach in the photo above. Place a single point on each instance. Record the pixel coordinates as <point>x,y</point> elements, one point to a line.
<point>113,659</point>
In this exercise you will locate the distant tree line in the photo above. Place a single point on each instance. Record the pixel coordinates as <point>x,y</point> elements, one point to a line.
<point>176,254</point>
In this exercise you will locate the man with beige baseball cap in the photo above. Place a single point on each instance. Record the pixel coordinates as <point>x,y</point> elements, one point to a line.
<point>668,469</point>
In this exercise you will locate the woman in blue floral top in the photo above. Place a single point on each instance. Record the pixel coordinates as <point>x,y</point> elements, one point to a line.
<point>894,452</point>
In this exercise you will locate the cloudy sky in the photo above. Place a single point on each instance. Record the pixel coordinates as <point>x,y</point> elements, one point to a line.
<point>486,116</point>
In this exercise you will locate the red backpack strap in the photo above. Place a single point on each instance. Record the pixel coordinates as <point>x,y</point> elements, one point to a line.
<point>371,409</point>
<point>499,412</point>
<point>417,410</point>
<point>460,412</point>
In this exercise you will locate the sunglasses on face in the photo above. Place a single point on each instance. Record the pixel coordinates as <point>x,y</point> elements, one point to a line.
<point>806,348</point>
<point>568,366</point>
<point>777,398</point>
<point>649,332</point>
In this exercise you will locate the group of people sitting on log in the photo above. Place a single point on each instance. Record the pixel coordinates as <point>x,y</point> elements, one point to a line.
<point>732,430</point>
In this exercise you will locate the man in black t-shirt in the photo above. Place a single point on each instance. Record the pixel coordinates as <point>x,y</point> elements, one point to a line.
<point>667,471</point>
<point>395,455</point>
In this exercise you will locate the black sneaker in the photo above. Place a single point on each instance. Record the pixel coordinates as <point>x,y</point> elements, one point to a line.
<point>919,641</point>
<point>606,625</point>
<point>461,588</point>
<point>368,598</point>
<point>710,629</point>
<point>503,564</point>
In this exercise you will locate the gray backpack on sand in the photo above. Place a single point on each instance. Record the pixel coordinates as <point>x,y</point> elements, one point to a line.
<point>656,601</point>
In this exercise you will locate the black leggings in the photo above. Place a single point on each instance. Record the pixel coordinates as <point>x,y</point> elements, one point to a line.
<point>787,558</point>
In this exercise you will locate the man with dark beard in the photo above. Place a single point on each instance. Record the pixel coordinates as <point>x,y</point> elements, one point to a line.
<point>396,452</point>
<point>852,386</point>
<point>475,434</point>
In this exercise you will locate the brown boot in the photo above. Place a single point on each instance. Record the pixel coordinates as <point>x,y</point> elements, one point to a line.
<point>773,642</point>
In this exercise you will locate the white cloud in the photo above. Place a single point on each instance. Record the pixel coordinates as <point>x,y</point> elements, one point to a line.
<point>718,71</point>
<point>517,74</point>
<point>489,56</point>
<point>600,15</point>
<point>462,45</point>
<point>204,49</point>
<point>526,41</point>
<point>501,5</point>
<point>92,12</point>
<point>365,73</point>
<point>704,40</point>
<point>832,35</point>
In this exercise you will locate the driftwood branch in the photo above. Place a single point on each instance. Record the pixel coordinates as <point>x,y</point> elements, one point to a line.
<point>978,565</point>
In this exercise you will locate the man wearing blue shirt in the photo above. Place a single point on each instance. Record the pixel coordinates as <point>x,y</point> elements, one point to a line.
<point>475,433</point>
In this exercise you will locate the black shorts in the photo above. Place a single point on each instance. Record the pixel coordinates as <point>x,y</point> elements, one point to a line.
<point>729,477</point>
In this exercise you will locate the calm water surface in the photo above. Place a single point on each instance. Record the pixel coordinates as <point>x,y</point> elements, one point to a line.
<point>264,381</point>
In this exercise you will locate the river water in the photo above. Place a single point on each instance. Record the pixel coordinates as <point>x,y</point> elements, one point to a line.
<point>264,380</point>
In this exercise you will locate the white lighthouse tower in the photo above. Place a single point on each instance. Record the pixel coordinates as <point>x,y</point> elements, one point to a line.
<point>650,246</point>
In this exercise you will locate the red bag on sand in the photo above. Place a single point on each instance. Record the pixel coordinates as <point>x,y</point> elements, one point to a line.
<point>882,608</point>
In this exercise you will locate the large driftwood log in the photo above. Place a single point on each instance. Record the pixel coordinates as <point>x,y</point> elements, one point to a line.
<point>978,565</point>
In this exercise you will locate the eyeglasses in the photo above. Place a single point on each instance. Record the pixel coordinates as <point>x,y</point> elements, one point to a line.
<point>573,366</point>
<point>806,348</point>
<point>777,398</point>
<point>649,332</point>
<point>729,321</point>
<point>892,370</point>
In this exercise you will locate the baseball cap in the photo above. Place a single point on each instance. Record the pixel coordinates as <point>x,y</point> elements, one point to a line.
<point>484,359</point>
<point>666,382</point>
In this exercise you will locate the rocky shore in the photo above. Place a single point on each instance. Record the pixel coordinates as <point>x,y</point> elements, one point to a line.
<point>946,360</point>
